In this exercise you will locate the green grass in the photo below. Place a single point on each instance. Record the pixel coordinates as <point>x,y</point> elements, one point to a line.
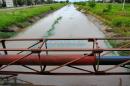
<point>8,18</point>
<point>7,34</point>
<point>112,15</point>
<point>16,16</point>
<point>117,44</point>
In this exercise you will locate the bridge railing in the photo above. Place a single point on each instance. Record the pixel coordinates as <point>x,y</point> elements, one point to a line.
<point>113,41</point>
<point>95,52</point>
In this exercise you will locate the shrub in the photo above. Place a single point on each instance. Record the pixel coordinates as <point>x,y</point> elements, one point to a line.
<point>80,3</point>
<point>51,8</point>
<point>108,8</point>
<point>121,21</point>
<point>92,3</point>
<point>7,34</point>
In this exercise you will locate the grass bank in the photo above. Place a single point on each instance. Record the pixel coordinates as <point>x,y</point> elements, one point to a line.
<point>111,14</point>
<point>19,16</point>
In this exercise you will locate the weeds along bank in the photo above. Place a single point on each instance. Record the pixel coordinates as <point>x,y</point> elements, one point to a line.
<point>112,15</point>
<point>14,20</point>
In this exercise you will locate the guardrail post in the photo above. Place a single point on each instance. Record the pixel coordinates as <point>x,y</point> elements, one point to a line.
<point>4,46</point>
<point>46,47</point>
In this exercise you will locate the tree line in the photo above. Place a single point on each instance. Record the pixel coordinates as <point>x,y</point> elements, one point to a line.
<point>120,1</point>
<point>111,1</point>
<point>18,3</point>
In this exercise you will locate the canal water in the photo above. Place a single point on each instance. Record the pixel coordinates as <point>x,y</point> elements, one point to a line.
<point>66,22</point>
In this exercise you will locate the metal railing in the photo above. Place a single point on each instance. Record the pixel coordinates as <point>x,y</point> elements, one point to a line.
<point>96,51</point>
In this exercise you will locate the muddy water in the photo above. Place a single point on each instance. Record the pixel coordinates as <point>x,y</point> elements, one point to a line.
<point>70,23</point>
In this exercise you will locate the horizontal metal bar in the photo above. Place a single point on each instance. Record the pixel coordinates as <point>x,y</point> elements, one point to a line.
<point>80,69</point>
<point>26,39</point>
<point>52,60</point>
<point>34,39</point>
<point>67,49</point>
<point>58,73</point>
<point>113,60</point>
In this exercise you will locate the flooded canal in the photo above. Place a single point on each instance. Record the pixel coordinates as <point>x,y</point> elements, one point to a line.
<point>67,23</point>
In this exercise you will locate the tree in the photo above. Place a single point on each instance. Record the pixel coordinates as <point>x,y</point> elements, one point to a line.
<point>36,2</point>
<point>29,2</point>
<point>19,2</point>
<point>103,1</point>
<point>3,3</point>
<point>42,1</point>
<point>123,5</point>
<point>49,1</point>
<point>121,1</point>
<point>92,3</point>
<point>67,1</point>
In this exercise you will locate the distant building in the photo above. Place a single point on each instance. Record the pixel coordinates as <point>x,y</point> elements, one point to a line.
<point>9,3</point>
<point>6,3</point>
<point>18,3</point>
<point>0,1</point>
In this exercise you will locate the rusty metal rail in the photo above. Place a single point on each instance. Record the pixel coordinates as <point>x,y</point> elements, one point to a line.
<point>92,56</point>
<point>41,39</point>
<point>67,49</point>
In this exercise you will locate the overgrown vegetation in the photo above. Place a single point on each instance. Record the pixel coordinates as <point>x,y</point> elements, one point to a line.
<point>113,15</point>
<point>17,16</point>
<point>121,44</point>
<point>92,3</point>
<point>80,3</point>
<point>7,34</point>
